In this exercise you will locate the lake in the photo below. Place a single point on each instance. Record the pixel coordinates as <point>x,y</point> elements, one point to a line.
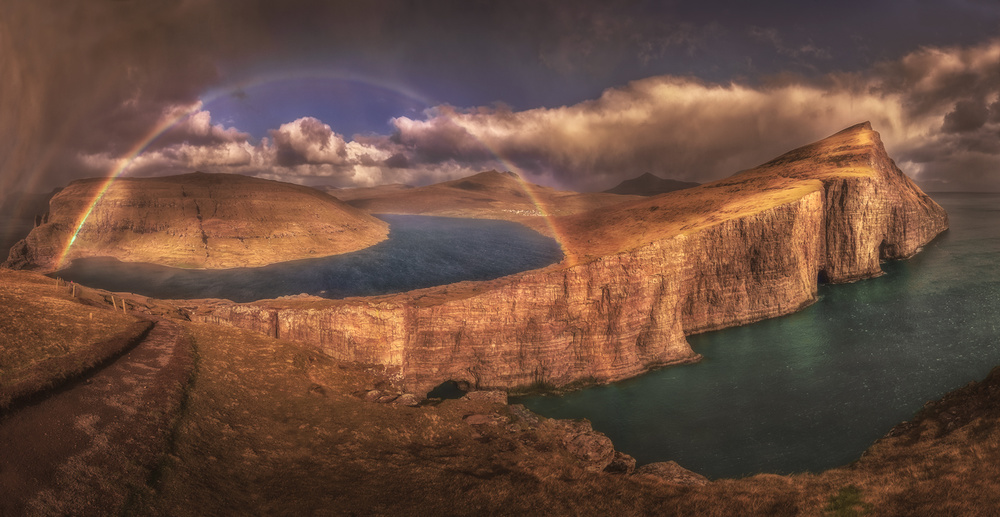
<point>421,251</point>
<point>813,390</point>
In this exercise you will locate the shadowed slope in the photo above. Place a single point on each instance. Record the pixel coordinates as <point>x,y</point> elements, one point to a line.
<point>649,185</point>
<point>490,195</point>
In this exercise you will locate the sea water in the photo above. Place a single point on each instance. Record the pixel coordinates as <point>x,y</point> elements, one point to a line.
<point>421,251</point>
<point>814,389</point>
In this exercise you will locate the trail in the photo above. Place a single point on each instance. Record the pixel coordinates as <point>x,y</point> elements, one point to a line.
<point>77,451</point>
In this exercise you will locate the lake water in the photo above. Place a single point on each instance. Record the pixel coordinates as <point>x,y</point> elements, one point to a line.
<point>814,389</point>
<point>421,251</point>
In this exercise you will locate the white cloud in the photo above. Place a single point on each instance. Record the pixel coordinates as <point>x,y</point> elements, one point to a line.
<point>936,109</point>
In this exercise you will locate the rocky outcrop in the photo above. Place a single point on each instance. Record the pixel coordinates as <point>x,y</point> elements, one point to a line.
<point>672,473</point>
<point>196,221</point>
<point>636,279</point>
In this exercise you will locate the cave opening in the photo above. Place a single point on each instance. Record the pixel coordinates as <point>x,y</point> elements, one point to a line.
<point>448,390</point>
<point>823,278</point>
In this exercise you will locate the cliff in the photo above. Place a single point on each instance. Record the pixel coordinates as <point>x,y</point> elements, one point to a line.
<point>195,221</point>
<point>637,278</point>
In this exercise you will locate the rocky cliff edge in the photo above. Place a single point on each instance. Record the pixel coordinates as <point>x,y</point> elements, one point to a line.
<point>637,277</point>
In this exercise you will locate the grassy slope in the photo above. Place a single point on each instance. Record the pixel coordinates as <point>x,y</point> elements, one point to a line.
<point>273,427</point>
<point>48,336</point>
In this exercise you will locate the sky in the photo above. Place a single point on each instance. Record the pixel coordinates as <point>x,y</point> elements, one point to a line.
<point>571,94</point>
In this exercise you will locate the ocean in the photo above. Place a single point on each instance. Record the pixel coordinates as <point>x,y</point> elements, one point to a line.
<point>813,390</point>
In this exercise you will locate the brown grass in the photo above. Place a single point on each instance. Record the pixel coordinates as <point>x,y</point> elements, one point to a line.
<point>274,427</point>
<point>47,336</point>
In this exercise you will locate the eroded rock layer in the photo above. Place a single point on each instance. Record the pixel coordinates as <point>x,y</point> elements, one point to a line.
<point>637,277</point>
<point>197,221</point>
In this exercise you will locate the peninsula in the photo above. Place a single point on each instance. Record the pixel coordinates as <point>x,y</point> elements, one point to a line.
<point>636,279</point>
<point>196,220</point>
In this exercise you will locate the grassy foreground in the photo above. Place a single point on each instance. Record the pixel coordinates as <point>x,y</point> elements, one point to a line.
<point>273,427</point>
<point>48,335</point>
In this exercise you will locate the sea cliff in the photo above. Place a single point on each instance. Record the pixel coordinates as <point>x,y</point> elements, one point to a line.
<point>193,220</point>
<point>637,278</point>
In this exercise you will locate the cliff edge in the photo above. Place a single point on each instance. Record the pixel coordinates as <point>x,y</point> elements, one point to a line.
<point>194,220</point>
<point>637,278</point>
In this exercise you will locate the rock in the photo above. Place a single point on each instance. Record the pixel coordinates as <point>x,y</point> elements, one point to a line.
<point>638,277</point>
<point>407,399</point>
<point>525,415</point>
<point>372,395</point>
<point>621,464</point>
<point>671,472</point>
<point>495,397</point>
<point>592,448</point>
<point>197,220</point>
<point>317,390</point>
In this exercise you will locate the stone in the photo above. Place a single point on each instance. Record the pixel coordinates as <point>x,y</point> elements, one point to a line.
<point>594,450</point>
<point>621,464</point>
<point>671,472</point>
<point>524,415</point>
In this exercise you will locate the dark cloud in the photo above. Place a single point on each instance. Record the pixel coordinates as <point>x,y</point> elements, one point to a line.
<point>995,111</point>
<point>968,115</point>
<point>693,94</point>
<point>397,161</point>
<point>96,77</point>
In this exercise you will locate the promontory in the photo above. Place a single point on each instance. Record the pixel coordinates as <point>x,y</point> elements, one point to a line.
<point>637,277</point>
<point>194,220</point>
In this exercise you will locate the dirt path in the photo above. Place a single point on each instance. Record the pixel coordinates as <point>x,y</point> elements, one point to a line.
<point>80,450</point>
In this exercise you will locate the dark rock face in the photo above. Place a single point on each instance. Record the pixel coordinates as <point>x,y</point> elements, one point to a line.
<point>195,220</point>
<point>622,464</point>
<point>649,185</point>
<point>739,250</point>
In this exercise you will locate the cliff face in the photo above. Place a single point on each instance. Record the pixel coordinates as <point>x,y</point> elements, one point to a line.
<point>637,279</point>
<point>196,220</point>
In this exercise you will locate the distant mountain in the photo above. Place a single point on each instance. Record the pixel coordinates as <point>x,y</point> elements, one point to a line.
<point>649,185</point>
<point>349,193</point>
<point>490,194</point>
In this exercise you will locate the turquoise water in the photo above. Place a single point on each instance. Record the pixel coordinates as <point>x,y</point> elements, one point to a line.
<point>814,389</point>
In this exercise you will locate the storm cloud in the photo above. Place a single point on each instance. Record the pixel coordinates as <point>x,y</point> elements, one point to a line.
<point>932,108</point>
<point>695,93</point>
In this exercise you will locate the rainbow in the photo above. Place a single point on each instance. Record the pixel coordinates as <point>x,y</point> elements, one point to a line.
<point>123,164</point>
<point>169,122</point>
<point>526,187</point>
